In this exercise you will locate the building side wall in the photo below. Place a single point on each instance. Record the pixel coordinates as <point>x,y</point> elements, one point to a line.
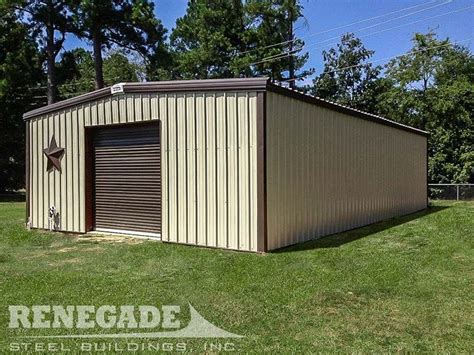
<point>328,172</point>
<point>209,164</point>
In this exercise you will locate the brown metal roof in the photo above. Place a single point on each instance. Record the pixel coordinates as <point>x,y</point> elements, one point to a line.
<point>341,108</point>
<point>258,84</point>
<point>236,84</point>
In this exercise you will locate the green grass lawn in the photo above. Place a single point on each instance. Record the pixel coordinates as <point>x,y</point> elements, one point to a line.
<point>404,284</point>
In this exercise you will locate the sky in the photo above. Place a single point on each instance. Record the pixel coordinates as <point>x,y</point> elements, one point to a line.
<point>385,26</point>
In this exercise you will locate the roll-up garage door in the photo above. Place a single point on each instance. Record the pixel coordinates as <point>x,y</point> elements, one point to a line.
<point>128,179</point>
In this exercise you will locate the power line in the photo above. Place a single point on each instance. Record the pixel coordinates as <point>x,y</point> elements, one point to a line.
<point>286,54</point>
<point>403,25</point>
<point>386,58</point>
<point>364,28</point>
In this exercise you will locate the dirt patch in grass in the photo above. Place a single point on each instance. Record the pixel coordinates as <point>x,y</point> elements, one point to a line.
<point>111,239</point>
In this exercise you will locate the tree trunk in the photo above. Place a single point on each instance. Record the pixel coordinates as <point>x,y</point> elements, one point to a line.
<point>50,62</point>
<point>98,62</point>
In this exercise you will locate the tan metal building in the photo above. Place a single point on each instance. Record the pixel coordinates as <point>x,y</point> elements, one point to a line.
<point>234,163</point>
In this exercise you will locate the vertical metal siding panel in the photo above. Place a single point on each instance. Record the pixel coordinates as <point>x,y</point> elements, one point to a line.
<point>34,172</point>
<point>75,168</point>
<point>181,160</point>
<point>191,168</point>
<point>274,224</point>
<point>165,203</point>
<point>62,143</point>
<point>41,172</point>
<point>211,170</point>
<point>271,136</point>
<point>46,175</point>
<point>87,114</point>
<point>57,174</point>
<point>309,175</point>
<point>318,162</point>
<point>108,110</point>
<point>172,169</point>
<point>306,162</point>
<point>201,169</point>
<point>29,178</point>
<point>243,180</point>
<point>122,109</point>
<point>81,161</point>
<point>130,103</point>
<point>115,110</point>
<point>100,112</point>
<point>154,107</point>
<point>291,196</point>
<point>221,172</point>
<point>146,114</point>
<point>253,169</point>
<point>138,109</point>
<point>232,171</point>
<point>94,118</point>
<point>275,221</point>
<point>69,155</point>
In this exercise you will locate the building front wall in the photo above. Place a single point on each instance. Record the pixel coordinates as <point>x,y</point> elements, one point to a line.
<point>328,172</point>
<point>208,154</point>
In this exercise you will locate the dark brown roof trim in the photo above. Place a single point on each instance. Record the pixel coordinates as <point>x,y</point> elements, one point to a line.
<point>343,109</point>
<point>238,84</point>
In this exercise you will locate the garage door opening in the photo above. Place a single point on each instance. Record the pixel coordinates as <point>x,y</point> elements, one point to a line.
<point>127,179</point>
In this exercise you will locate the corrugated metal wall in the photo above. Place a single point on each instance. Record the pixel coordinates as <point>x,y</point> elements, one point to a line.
<point>209,163</point>
<point>328,172</point>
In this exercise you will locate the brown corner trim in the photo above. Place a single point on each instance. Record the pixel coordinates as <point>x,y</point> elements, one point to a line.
<point>427,174</point>
<point>237,84</point>
<point>27,171</point>
<point>89,178</point>
<point>343,109</point>
<point>262,237</point>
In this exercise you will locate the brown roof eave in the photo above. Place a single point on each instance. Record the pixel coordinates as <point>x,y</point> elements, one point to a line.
<point>343,109</point>
<point>237,84</point>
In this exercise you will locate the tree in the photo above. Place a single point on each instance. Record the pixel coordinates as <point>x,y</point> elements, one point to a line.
<point>348,76</point>
<point>432,88</point>
<point>47,19</point>
<point>20,72</point>
<point>127,24</point>
<point>255,39</point>
<point>76,72</point>
<point>273,46</point>
<point>206,39</point>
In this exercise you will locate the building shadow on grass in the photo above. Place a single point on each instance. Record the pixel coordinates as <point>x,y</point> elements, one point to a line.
<point>336,240</point>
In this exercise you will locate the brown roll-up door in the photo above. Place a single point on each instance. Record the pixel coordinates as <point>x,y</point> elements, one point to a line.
<point>127,178</point>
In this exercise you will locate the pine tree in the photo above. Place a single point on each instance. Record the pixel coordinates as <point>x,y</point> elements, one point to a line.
<point>129,24</point>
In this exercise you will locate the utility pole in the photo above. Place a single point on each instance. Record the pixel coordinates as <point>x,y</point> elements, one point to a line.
<point>291,69</point>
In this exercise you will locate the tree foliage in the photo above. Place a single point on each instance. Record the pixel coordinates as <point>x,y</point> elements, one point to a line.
<point>222,39</point>
<point>432,88</point>
<point>20,71</point>
<point>273,46</point>
<point>49,21</point>
<point>206,39</point>
<point>128,24</point>
<point>349,77</point>
<point>76,71</point>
